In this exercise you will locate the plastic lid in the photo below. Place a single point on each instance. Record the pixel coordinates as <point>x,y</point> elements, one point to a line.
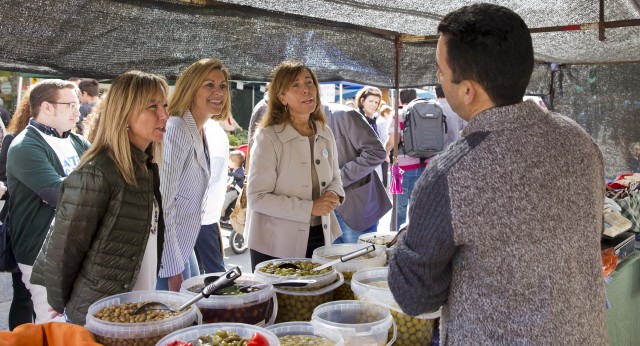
<point>243,330</point>
<point>371,285</point>
<point>376,238</point>
<point>328,253</point>
<point>145,329</point>
<point>229,301</point>
<point>306,328</point>
<point>353,317</point>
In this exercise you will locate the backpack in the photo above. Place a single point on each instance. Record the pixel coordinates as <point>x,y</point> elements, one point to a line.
<point>424,129</point>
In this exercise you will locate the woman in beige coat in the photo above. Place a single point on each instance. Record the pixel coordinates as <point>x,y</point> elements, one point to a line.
<point>294,179</point>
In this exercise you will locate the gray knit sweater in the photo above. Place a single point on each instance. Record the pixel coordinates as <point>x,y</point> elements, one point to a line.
<point>505,234</point>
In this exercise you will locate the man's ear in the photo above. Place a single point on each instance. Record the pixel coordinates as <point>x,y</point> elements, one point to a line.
<point>469,89</point>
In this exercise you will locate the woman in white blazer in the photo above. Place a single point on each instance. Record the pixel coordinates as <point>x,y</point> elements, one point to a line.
<point>201,93</point>
<point>294,179</point>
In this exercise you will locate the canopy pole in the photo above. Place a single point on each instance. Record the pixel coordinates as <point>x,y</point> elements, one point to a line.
<point>341,94</point>
<point>601,36</point>
<point>19,90</point>
<point>396,135</point>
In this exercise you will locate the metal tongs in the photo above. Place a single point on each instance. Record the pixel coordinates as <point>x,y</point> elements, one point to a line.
<point>221,282</point>
<point>347,257</point>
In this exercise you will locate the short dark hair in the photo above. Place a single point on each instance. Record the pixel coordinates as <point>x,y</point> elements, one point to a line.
<point>46,90</point>
<point>408,95</point>
<point>491,45</point>
<point>439,91</point>
<point>90,86</point>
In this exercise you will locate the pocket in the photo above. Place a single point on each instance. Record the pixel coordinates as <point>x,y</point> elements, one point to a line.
<point>366,205</point>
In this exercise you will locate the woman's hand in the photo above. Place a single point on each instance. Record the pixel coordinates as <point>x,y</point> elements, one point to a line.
<point>175,282</point>
<point>325,204</point>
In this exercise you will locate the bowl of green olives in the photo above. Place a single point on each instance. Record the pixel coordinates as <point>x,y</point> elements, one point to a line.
<point>371,285</point>
<point>229,334</point>
<point>295,268</point>
<point>305,333</point>
<point>324,254</point>
<point>112,322</point>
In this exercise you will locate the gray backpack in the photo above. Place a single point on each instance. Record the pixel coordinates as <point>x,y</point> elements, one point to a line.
<point>424,128</point>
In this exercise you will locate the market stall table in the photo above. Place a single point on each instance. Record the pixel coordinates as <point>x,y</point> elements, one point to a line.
<point>623,293</point>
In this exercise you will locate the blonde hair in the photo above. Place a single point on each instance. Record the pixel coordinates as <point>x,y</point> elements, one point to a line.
<point>91,122</point>
<point>284,75</point>
<point>128,96</point>
<point>366,92</point>
<point>386,111</point>
<point>190,81</point>
<point>21,116</point>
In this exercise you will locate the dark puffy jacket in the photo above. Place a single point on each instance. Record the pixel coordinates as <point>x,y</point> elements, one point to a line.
<point>95,246</point>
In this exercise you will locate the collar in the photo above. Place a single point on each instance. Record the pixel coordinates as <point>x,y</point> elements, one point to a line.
<point>47,130</point>
<point>505,117</point>
<point>286,132</point>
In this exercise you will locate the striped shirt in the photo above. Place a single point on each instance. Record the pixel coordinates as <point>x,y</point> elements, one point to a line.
<point>184,177</point>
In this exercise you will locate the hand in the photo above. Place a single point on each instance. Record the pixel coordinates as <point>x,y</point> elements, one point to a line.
<point>175,282</point>
<point>332,197</point>
<point>3,189</point>
<point>53,313</point>
<point>325,204</point>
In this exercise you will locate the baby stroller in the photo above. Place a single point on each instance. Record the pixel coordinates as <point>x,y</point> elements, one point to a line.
<point>236,240</point>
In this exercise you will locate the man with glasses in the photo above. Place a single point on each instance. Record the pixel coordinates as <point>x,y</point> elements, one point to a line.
<point>39,158</point>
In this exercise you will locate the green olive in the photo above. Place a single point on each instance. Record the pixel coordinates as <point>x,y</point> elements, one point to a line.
<point>307,340</point>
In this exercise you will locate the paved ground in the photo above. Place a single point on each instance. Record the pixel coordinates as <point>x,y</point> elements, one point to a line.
<point>230,260</point>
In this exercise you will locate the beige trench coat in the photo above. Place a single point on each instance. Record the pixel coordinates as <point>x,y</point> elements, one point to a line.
<point>279,189</point>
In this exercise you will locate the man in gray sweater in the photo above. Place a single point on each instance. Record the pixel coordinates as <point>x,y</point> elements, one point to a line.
<point>505,224</point>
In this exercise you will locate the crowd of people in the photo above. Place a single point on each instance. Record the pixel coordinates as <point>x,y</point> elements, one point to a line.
<point>136,205</point>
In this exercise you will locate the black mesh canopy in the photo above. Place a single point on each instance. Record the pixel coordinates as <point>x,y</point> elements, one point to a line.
<point>590,75</point>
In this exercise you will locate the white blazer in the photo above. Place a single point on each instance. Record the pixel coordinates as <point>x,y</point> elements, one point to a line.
<point>279,189</point>
<point>184,177</point>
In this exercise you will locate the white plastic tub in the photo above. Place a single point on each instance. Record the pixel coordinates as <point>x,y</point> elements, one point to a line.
<point>298,303</point>
<point>288,329</point>
<point>144,333</point>
<point>259,308</point>
<point>371,285</point>
<point>360,323</point>
<point>243,330</point>
<point>325,254</point>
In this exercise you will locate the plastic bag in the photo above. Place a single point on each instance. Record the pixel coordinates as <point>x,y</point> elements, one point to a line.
<point>609,261</point>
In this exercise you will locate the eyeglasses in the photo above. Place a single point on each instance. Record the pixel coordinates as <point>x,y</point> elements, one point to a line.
<point>71,104</point>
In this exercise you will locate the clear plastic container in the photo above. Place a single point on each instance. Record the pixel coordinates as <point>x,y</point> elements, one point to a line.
<point>297,303</point>
<point>307,328</point>
<point>258,308</point>
<point>381,239</point>
<point>144,333</point>
<point>371,285</point>
<point>359,323</point>
<point>321,279</point>
<point>325,254</point>
<point>243,330</point>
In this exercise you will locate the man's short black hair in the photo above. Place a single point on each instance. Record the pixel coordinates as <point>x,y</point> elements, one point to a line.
<point>491,45</point>
<point>408,95</point>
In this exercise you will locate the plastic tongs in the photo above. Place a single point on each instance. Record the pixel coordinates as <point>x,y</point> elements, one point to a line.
<point>347,257</point>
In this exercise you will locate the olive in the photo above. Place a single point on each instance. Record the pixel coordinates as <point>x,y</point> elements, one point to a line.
<point>123,313</point>
<point>307,340</point>
<point>305,269</point>
<point>411,330</point>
